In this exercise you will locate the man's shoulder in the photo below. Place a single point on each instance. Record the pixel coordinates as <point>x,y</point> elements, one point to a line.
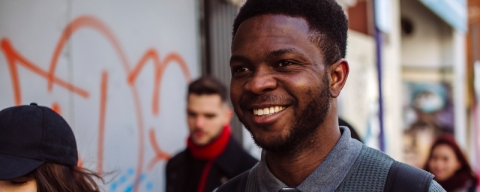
<point>237,183</point>
<point>369,171</point>
<point>376,170</point>
<point>374,155</point>
<point>177,160</point>
<point>435,187</point>
<point>235,148</point>
<point>235,156</point>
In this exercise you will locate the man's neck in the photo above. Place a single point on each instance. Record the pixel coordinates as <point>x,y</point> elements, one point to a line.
<point>293,168</point>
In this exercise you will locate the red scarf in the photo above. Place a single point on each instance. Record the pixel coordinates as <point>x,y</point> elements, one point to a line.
<point>458,181</point>
<point>213,149</point>
<point>209,152</point>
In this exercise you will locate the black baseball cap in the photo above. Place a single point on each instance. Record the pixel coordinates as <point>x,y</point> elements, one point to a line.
<point>31,135</point>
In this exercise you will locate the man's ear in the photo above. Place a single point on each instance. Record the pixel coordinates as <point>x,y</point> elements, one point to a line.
<point>338,73</point>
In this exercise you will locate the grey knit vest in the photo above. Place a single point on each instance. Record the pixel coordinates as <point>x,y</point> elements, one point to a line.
<point>368,173</point>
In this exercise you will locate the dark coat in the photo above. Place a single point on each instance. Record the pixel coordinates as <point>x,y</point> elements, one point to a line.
<point>183,172</point>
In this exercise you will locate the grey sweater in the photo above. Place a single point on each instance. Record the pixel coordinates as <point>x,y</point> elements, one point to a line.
<point>350,166</point>
<point>368,173</point>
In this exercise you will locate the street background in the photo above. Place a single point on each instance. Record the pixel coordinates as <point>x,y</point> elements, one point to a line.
<point>118,72</point>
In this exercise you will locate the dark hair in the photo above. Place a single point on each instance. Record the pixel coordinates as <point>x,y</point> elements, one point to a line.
<point>208,86</point>
<point>326,19</point>
<point>464,174</point>
<point>57,177</point>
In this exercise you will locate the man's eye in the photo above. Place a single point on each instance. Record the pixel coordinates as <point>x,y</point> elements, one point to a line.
<point>190,114</point>
<point>239,69</point>
<point>284,63</point>
<point>210,116</point>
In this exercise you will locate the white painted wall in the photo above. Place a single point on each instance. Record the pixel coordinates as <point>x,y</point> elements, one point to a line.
<point>359,96</point>
<point>391,65</point>
<point>107,43</point>
<point>430,45</point>
<point>459,88</point>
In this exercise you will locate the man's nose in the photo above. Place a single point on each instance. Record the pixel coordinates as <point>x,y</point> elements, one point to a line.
<point>199,122</point>
<point>261,81</point>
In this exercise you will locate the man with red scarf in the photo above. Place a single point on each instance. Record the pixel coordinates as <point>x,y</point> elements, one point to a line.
<point>212,156</point>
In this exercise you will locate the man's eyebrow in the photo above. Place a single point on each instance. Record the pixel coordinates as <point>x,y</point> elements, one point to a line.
<point>239,58</point>
<point>276,53</point>
<point>280,52</point>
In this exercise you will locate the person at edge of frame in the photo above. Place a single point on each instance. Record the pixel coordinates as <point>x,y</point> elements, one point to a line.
<point>212,156</point>
<point>450,166</point>
<point>38,152</point>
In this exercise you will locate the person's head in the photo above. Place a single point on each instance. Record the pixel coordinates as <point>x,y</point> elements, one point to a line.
<point>38,152</point>
<point>207,109</point>
<point>287,69</point>
<point>446,159</point>
<point>327,22</point>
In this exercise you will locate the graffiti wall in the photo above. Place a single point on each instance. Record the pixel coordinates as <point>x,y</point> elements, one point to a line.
<point>115,70</point>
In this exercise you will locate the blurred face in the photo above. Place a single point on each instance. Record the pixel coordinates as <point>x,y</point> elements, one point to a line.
<point>207,115</point>
<point>443,163</point>
<point>279,86</point>
<point>21,184</point>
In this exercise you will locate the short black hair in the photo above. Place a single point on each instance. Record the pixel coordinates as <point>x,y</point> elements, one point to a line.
<point>326,19</point>
<point>208,86</point>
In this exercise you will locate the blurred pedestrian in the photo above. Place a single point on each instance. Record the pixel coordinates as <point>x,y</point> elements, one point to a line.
<point>38,152</point>
<point>450,166</point>
<point>212,156</point>
<point>288,69</point>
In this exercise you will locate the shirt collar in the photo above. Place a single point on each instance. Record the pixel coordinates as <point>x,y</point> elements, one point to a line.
<point>327,176</point>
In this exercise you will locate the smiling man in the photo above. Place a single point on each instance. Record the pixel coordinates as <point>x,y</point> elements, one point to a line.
<point>212,156</point>
<point>288,68</point>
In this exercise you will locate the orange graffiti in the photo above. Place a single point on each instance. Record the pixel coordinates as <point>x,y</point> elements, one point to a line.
<point>13,57</point>
<point>56,108</point>
<point>159,69</point>
<point>159,154</point>
<point>101,123</point>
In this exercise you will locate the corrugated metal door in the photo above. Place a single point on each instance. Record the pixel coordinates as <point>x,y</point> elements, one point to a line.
<point>216,27</point>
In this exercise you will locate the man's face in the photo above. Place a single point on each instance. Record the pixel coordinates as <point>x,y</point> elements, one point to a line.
<point>279,87</point>
<point>206,115</point>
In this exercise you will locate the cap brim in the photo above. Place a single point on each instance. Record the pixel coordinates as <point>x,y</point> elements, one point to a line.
<point>12,166</point>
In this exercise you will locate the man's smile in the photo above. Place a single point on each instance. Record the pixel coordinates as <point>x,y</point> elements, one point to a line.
<point>268,110</point>
<point>266,113</point>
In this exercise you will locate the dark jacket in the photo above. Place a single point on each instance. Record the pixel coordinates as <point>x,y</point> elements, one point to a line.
<point>184,172</point>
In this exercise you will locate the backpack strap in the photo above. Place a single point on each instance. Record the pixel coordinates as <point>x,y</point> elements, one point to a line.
<point>403,177</point>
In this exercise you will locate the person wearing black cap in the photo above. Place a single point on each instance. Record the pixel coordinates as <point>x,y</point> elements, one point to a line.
<point>38,152</point>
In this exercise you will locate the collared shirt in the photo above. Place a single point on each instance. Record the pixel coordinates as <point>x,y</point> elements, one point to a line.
<point>327,176</point>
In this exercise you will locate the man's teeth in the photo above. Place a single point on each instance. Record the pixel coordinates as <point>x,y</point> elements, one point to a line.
<point>268,110</point>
